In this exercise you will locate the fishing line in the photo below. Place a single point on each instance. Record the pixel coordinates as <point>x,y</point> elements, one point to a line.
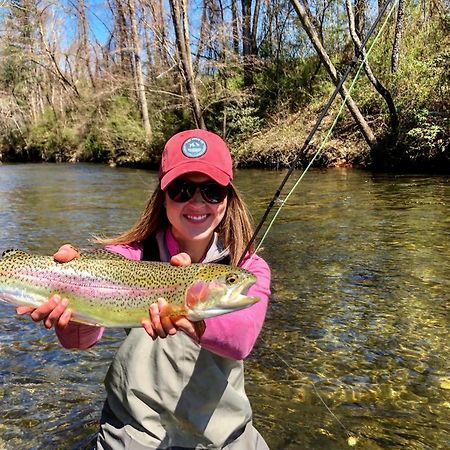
<point>352,439</point>
<point>313,131</point>
<point>330,130</point>
<point>313,384</point>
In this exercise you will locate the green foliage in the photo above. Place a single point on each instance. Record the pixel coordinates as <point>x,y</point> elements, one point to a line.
<point>51,139</point>
<point>93,150</point>
<point>428,139</point>
<point>290,84</point>
<point>243,119</point>
<point>115,134</point>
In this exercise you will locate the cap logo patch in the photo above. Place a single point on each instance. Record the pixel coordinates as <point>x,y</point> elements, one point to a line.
<point>194,147</point>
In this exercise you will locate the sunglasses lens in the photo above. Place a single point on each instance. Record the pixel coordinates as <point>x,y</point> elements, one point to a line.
<point>213,192</point>
<point>181,191</point>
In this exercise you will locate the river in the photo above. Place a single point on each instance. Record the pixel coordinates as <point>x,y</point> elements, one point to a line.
<point>356,338</point>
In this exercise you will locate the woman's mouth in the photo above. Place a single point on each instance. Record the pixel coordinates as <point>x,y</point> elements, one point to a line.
<point>196,218</point>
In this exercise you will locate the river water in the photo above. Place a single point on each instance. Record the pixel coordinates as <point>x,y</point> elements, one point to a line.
<point>356,338</point>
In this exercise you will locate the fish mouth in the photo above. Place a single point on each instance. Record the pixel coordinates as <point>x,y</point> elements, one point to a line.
<point>238,297</point>
<point>222,299</point>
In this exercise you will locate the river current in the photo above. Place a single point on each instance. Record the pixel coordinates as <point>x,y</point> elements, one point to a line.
<point>356,338</point>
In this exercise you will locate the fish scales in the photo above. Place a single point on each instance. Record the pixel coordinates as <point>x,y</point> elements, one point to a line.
<point>106,289</point>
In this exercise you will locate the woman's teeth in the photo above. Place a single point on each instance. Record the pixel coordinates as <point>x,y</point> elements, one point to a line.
<point>196,218</point>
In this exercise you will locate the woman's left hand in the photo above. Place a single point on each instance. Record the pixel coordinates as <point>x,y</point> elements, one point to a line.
<point>158,325</point>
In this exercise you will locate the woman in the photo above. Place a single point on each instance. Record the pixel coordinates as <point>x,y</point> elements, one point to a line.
<point>183,392</point>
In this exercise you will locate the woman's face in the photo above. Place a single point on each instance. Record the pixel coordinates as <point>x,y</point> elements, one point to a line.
<point>194,220</point>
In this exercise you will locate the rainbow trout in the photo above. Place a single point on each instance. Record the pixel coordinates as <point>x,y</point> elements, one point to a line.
<point>106,289</point>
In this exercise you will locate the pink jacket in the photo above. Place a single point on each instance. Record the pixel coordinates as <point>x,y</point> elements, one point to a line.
<point>231,335</point>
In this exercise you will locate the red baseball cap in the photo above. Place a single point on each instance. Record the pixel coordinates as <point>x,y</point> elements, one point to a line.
<point>196,151</point>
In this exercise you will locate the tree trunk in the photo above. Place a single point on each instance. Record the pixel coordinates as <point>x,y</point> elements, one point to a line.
<point>235,27</point>
<point>201,40</point>
<point>122,39</point>
<point>254,30</point>
<point>313,36</point>
<point>83,45</point>
<point>370,75</point>
<point>360,17</point>
<point>159,31</point>
<point>398,35</point>
<point>138,71</point>
<point>179,16</point>
<point>247,42</point>
<point>57,71</point>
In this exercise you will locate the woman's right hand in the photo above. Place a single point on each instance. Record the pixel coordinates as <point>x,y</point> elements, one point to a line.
<point>159,325</point>
<point>54,312</point>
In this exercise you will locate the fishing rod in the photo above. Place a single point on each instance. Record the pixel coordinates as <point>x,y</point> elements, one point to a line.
<point>358,53</point>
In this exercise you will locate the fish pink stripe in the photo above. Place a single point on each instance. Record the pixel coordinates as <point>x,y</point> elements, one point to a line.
<point>91,288</point>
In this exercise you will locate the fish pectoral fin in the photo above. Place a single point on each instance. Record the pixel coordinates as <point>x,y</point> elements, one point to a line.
<point>172,311</point>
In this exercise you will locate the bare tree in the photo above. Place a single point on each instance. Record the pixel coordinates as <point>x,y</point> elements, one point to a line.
<point>120,36</point>
<point>360,121</point>
<point>139,77</point>
<point>158,26</point>
<point>360,17</point>
<point>180,22</point>
<point>51,50</point>
<point>398,35</point>
<point>235,26</point>
<point>370,75</point>
<point>82,57</point>
<point>250,20</point>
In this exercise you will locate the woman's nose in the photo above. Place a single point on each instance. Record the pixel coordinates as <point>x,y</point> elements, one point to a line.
<point>197,197</point>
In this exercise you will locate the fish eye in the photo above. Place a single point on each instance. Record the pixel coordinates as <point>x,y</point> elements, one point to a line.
<point>232,278</point>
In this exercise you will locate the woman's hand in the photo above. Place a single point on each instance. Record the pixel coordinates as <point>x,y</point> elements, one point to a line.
<point>158,325</point>
<point>54,312</point>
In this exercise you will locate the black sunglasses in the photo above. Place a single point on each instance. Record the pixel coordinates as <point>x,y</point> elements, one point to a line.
<point>181,191</point>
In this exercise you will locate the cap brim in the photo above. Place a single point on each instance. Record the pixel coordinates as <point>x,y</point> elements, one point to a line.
<point>216,174</point>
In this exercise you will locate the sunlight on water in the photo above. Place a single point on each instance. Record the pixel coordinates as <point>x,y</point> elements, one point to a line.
<point>358,316</point>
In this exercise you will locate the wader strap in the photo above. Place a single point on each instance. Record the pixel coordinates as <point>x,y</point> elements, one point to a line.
<point>150,250</point>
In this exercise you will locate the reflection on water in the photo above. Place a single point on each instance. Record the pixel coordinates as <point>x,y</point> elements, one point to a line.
<point>358,316</point>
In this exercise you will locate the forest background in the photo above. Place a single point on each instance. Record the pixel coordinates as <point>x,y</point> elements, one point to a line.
<point>111,80</point>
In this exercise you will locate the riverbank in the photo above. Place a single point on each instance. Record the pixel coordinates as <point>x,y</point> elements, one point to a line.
<point>419,148</point>
<point>272,147</point>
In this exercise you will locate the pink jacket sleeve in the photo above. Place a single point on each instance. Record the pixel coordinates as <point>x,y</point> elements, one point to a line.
<point>82,336</point>
<point>234,335</point>
<point>77,335</point>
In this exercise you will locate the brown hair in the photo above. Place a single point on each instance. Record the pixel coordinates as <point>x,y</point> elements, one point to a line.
<point>235,229</point>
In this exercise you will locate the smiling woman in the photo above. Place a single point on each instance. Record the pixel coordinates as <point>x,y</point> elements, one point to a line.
<point>184,392</point>
<point>195,219</point>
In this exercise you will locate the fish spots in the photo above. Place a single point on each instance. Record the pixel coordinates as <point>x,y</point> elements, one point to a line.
<point>111,290</point>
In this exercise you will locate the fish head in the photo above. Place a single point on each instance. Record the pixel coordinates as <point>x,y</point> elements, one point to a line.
<point>218,290</point>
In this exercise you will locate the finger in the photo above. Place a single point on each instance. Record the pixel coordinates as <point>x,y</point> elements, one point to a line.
<point>168,325</point>
<point>66,253</point>
<point>55,315</point>
<point>166,321</point>
<point>65,318</point>
<point>156,320</point>
<point>149,328</point>
<point>45,309</point>
<point>24,309</point>
<point>181,259</point>
<point>184,324</point>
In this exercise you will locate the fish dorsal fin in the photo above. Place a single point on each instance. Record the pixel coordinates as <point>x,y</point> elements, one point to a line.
<point>102,254</point>
<point>11,252</point>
